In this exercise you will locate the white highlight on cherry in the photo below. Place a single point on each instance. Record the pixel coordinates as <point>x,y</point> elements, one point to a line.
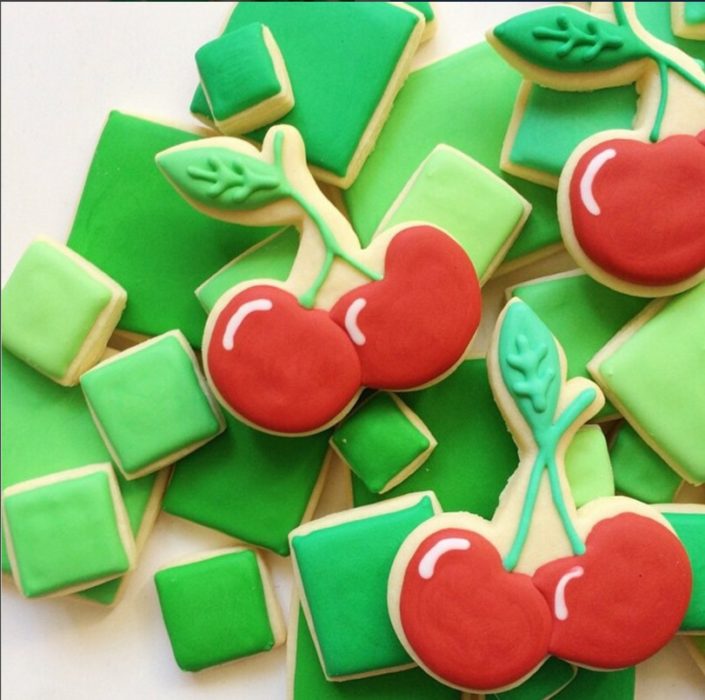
<point>239,316</point>
<point>428,562</point>
<point>559,607</point>
<point>586,181</point>
<point>356,335</point>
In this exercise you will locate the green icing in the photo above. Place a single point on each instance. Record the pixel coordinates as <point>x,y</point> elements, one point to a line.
<point>150,403</point>
<point>64,534</point>
<point>215,485</point>
<point>656,18</point>
<point>475,454</point>
<point>657,375</point>
<point>132,225</point>
<point>588,466</point>
<point>215,610</point>
<point>461,197</point>
<point>590,685</point>
<point>582,314</point>
<point>693,12</point>
<point>344,571</point>
<point>49,306</point>
<point>272,260</point>
<point>34,405</point>
<point>237,71</point>
<point>690,528</point>
<point>638,471</point>
<point>549,130</point>
<point>378,441</point>
<point>464,101</point>
<point>309,682</point>
<point>318,49</point>
<point>554,675</point>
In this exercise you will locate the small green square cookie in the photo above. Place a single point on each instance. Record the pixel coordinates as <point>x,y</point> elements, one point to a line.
<point>341,566</point>
<point>244,80</point>
<point>591,685</point>
<point>67,531</point>
<point>58,311</point>
<point>582,314</point>
<point>638,471</point>
<point>554,675</point>
<point>588,466</point>
<point>219,607</point>
<point>151,404</point>
<point>383,442</point>
<point>653,370</point>
<point>456,193</point>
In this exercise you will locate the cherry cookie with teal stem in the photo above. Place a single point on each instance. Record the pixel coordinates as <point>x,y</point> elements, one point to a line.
<point>481,605</point>
<point>292,357</point>
<point>627,199</point>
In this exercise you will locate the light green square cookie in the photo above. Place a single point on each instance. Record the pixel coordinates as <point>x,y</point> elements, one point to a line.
<point>58,311</point>
<point>588,466</point>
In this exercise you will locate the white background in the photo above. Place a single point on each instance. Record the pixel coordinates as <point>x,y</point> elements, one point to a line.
<point>64,66</point>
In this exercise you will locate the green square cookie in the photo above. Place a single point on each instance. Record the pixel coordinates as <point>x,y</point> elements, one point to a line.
<point>654,372</point>
<point>341,565</point>
<point>383,442</point>
<point>582,314</point>
<point>590,685</point>
<point>67,531</point>
<point>218,607</point>
<point>244,79</point>
<point>58,311</point>
<point>151,404</point>
<point>454,192</point>
<point>588,466</point>
<point>321,50</point>
<point>638,471</point>
<point>553,675</point>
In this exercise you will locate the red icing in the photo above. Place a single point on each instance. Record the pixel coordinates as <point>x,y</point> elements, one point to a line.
<point>417,321</point>
<point>629,601</point>
<point>290,370</point>
<point>651,225</point>
<point>473,624</point>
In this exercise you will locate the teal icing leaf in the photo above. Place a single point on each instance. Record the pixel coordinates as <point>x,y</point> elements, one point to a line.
<point>530,365</point>
<point>566,39</point>
<point>224,179</point>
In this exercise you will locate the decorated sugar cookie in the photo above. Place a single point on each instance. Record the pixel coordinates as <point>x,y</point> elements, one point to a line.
<point>292,357</point>
<point>481,604</point>
<point>630,202</point>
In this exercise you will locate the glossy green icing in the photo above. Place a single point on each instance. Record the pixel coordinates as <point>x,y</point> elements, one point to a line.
<point>378,441</point>
<point>588,466</point>
<point>237,71</point>
<point>272,260</point>
<point>216,485</point>
<point>589,685</point>
<point>464,101</point>
<point>318,49</point>
<point>656,18</point>
<point>638,471</point>
<point>64,534</point>
<point>657,376</point>
<point>309,682</point>
<point>49,306</point>
<point>344,570</point>
<point>150,403</point>
<point>690,528</point>
<point>132,226</point>
<point>33,405</point>
<point>215,610</point>
<point>548,680</point>
<point>693,12</point>
<point>461,197</point>
<point>582,314</point>
<point>475,454</point>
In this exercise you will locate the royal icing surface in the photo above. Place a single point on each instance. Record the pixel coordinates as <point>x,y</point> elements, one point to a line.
<point>545,683</point>
<point>618,685</point>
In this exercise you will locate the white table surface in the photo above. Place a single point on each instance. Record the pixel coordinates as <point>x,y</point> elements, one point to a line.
<point>64,66</point>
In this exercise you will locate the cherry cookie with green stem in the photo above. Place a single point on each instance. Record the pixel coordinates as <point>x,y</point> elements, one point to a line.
<point>627,199</point>
<point>481,604</point>
<point>292,357</point>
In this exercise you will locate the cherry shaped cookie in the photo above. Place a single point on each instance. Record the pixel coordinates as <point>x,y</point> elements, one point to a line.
<point>481,604</point>
<point>292,357</point>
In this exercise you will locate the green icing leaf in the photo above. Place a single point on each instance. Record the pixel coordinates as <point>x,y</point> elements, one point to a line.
<point>224,179</point>
<point>530,366</point>
<point>568,40</point>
